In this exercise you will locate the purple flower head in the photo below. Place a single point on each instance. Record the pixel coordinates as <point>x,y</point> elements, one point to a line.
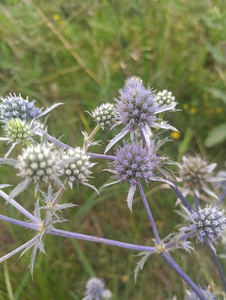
<point>132,163</point>
<point>208,222</point>
<point>136,105</point>
<point>13,107</point>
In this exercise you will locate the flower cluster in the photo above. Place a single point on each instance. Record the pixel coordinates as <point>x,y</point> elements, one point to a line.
<point>195,173</point>
<point>165,98</point>
<point>208,223</point>
<point>14,106</point>
<point>95,290</point>
<point>105,115</point>
<point>17,131</point>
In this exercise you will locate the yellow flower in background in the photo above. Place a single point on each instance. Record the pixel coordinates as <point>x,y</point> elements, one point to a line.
<point>219,109</point>
<point>186,106</point>
<point>175,135</point>
<point>56,17</point>
<point>193,110</point>
<point>191,78</point>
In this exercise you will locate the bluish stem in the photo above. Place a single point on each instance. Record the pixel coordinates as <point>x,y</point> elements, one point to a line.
<point>180,239</point>
<point>19,207</point>
<point>64,146</point>
<point>221,198</point>
<point>218,265</point>
<point>183,275</point>
<point>79,236</point>
<point>156,234</point>
<point>197,202</point>
<point>182,198</point>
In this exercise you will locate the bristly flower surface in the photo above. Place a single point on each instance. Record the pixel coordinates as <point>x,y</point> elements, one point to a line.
<point>165,98</point>
<point>137,109</point>
<point>14,106</point>
<point>95,290</point>
<point>190,295</point>
<point>133,163</point>
<point>105,115</point>
<point>79,170</point>
<point>208,223</point>
<point>195,173</point>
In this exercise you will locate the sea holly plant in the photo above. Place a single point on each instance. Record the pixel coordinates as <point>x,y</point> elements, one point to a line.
<point>51,166</point>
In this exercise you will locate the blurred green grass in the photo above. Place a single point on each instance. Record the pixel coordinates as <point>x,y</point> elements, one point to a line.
<point>80,53</point>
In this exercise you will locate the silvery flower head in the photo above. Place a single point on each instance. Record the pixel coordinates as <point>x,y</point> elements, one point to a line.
<point>190,295</point>
<point>95,290</point>
<point>137,110</point>
<point>14,106</point>
<point>78,170</point>
<point>165,97</point>
<point>105,115</point>
<point>208,223</point>
<point>195,173</point>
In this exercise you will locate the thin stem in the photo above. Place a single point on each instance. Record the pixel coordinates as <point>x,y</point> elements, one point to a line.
<point>183,275</point>
<point>19,207</point>
<point>64,146</point>
<point>197,202</point>
<point>157,238</point>
<point>79,236</point>
<point>180,239</point>
<point>7,256</point>
<point>218,265</point>
<point>182,198</point>
<point>59,194</point>
<point>221,198</point>
<point>89,138</point>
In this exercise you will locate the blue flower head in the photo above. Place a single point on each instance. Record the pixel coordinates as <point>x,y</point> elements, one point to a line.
<point>15,107</point>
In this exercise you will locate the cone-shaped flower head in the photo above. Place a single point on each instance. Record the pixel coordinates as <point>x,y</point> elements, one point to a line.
<point>105,115</point>
<point>165,98</point>
<point>16,107</point>
<point>190,295</point>
<point>136,105</point>
<point>132,163</point>
<point>17,130</point>
<point>195,173</point>
<point>79,170</point>
<point>38,164</point>
<point>208,222</point>
<point>95,290</point>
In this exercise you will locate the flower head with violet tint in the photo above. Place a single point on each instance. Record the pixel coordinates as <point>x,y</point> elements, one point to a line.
<point>15,107</point>
<point>137,110</point>
<point>133,163</point>
<point>195,173</point>
<point>105,115</point>
<point>95,290</point>
<point>165,98</point>
<point>208,223</point>
<point>78,170</point>
<point>190,295</point>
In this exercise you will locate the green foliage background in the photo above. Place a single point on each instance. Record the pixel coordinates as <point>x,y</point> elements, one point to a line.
<point>80,53</point>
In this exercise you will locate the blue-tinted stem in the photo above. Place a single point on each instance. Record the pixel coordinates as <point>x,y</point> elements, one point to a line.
<point>218,265</point>
<point>156,234</point>
<point>197,202</point>
<point>183,275</point>
<point>79,236</point>
<point>180,239</point>
<point>64,146</point>
<point>182,198</point>
<point>221,198</point>
<point>19,207</point>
